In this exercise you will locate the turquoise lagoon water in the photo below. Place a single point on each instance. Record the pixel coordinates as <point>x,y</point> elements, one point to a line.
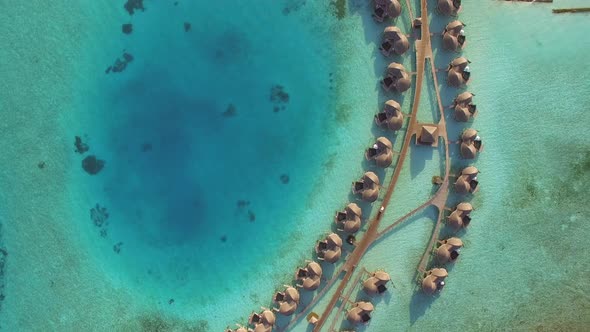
<point>177,167</point>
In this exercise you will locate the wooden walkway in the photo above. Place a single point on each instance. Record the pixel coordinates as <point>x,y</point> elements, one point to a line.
<point>423,49</point>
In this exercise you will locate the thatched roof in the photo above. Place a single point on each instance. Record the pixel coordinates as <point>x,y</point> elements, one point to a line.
<point>428,134</point>
<point>372,177</point>
<point>469,134</point>
<point>468,150</point>
<point>470,170</point>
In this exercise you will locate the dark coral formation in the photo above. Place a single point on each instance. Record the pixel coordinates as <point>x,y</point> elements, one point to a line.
<point>92,165</point>
<point>230,111</point>
<point>187,26</point>
<point>285,178</point>
<point>251,216</point>
<point>81,147</point>
<point>41,165</point>
<point>293,6</point>
<point>3,258</point>
<point>127,28</point>
<point>132,5</point>
<point>119,64</point>
<point>117,247</point>
<point>145,147</point>
<point>243,203</point>
<point>99,216</point>
<point>278,97</point>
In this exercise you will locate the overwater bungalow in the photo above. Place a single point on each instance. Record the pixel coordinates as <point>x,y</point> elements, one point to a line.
<point>367,187</point>
<point>239,329</point>
<point>360,313</point>
<point>262,322</point>
<point>394,41</point>
<point>386,8</point>
<point>391,117</point>
<point>381,152</point>
<point>449,249</point>
<point>460,217</point>
<point>471,144</point>
<point>329,249</point>
<point>434,280</point>
<point>310,276</point>
<point>454,36</point>
<point>396,78</point>
<point>287,301</point>
<point>427,135</point>
<point>467,181</point>
<point>458,72</point>
<point>375,284</point>
<point>464,107</point>
<point>349,220</point>
<point>449,7</point>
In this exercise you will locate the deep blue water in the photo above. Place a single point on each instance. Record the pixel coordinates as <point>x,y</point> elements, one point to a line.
<point>211,136</point>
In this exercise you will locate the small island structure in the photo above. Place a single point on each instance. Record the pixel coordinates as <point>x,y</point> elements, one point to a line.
<point>394,41</point>
<point>467,181</point>
<point>310,276</point>
<point>471,144</point>
<point>449,7</point>
<point>262,322</point>
<point>454,36</point>
<point>287,301</point>
<point>349,220</point>
<point>367,187</point>
<point>375,284</point>
<point>386,8</point>
<point>329,249</point>
<point>448,251</point>
<point>464,107</point>
<point>396,78</point>
<point>458,72</point>
<point>381,152</point>
<point>360,313</point>
<point>434,280</point>
<point>427,135</point>
<point>391,117</point>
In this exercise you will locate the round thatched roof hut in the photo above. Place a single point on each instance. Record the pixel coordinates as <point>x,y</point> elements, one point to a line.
<point>381,152</point>
<point>391,117</point>
<point>434,280</point>
<point>396,78</point>
<point>449,7</point>
<point>386,8</point>
<point>367,187</point>
<point>394,41</point>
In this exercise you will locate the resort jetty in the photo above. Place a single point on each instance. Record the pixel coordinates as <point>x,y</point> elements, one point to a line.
<point>394,41</point>
<point>360,313</point>
<point>310,276</point>
<point>287,301</point>
<point>459,72</point>
<point>454,36</point>
<point>396,78</point>
<point>467,181</point>
<point>434,280</point>
<point>349,220</point>
<point>262,322</point>
<point>449,7</point>
<point>571,10</point>
<point>238,329</point>
<point>367,187</point>
<point>329,249</point>
<point>381,152</point>
<point>391,117</point>
<point>471,144</point>
<point>448,251</point>
<point>386,9</point>
<point>464,107</point>
<point>375,284</point>
<point>460,217</point>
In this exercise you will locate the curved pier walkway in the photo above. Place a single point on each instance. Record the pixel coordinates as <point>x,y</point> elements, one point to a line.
<point>423,49</point>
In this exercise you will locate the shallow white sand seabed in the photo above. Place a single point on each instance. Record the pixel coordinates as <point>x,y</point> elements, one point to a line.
<point>524,265</point>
